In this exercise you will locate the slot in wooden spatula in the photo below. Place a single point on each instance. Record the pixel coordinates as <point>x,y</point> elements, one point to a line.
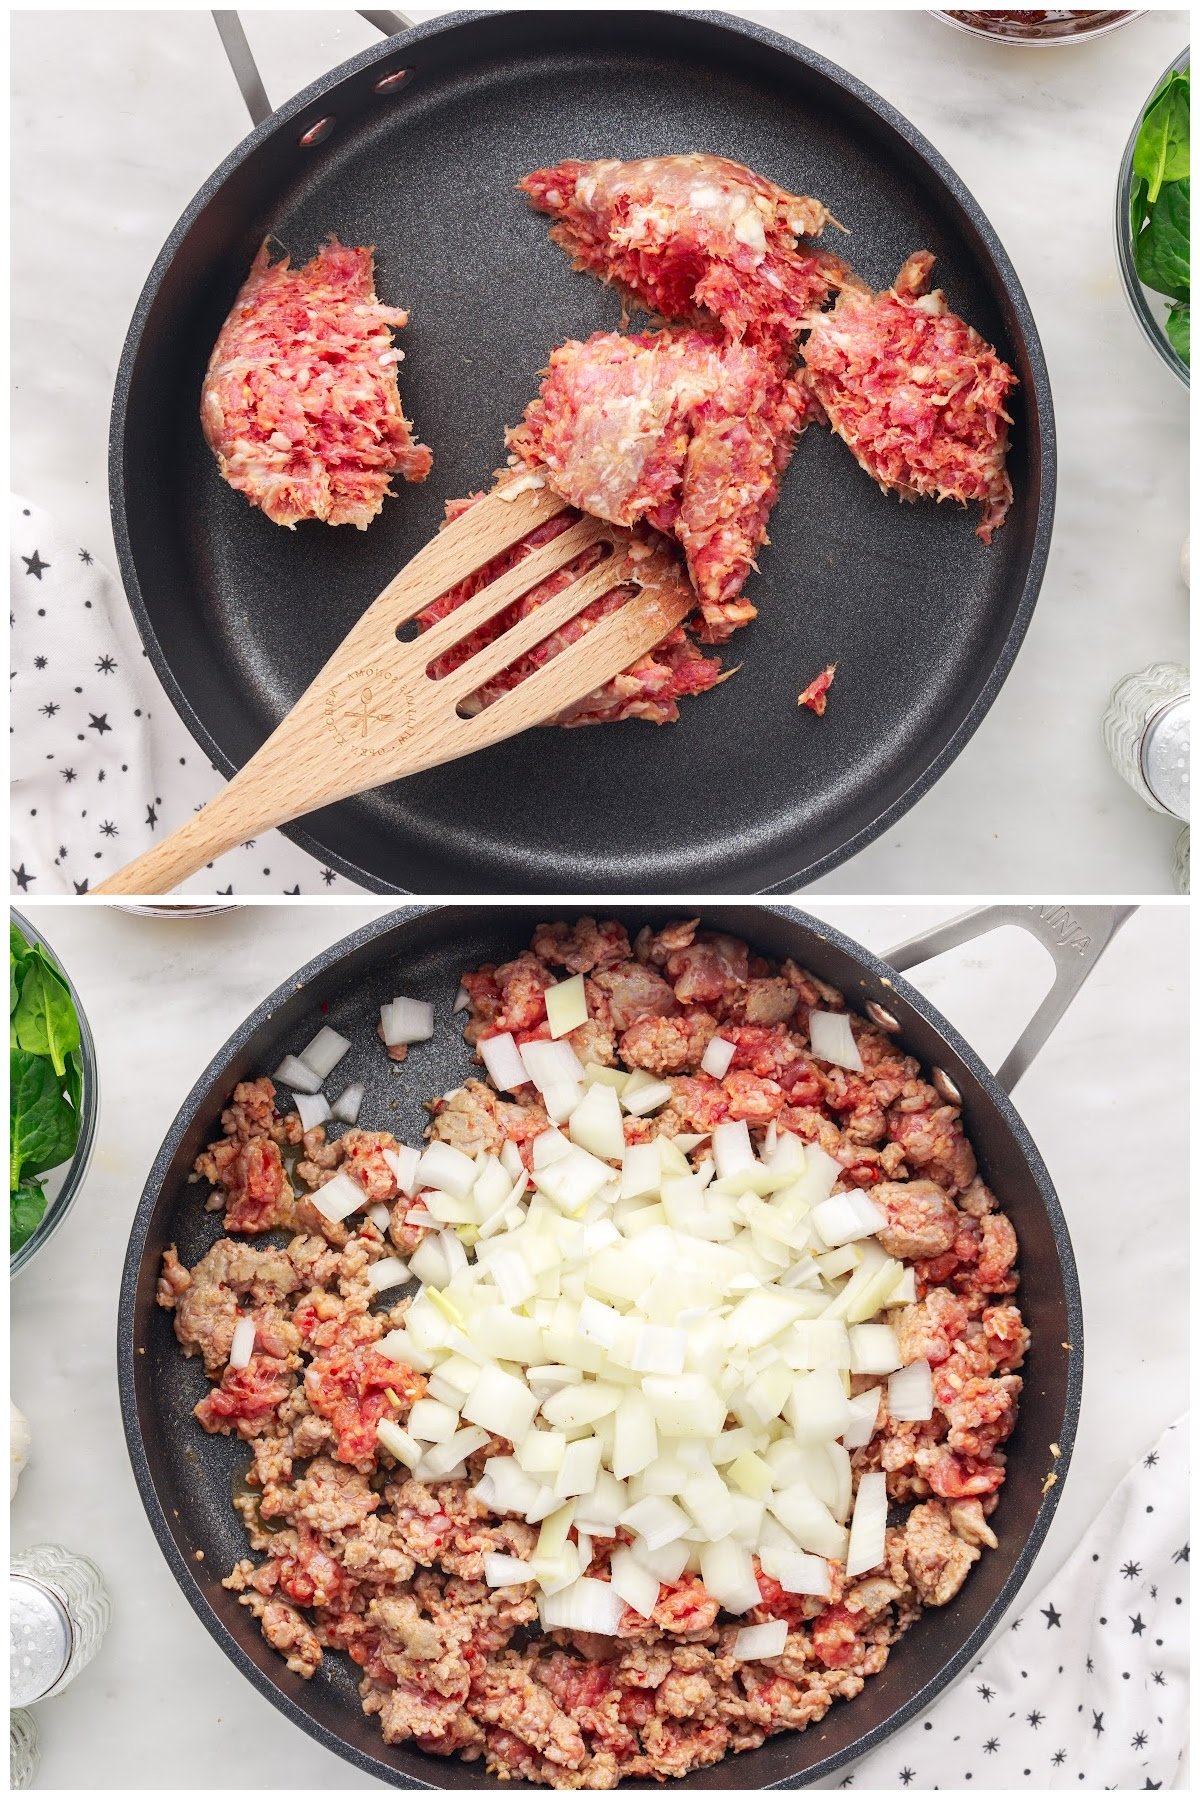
<point>374,714</point>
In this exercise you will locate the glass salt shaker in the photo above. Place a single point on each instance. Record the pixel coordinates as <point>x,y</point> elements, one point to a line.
<point>24,1749</point>
<point>1181,865</point>
<point>59,1611</point>
<point>1147,733</point>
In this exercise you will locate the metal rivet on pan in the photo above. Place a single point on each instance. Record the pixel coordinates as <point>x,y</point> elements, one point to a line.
<point>946,1088</point>
<point>881,1016</point>
<point>388,83</point>
<point>316,134</point>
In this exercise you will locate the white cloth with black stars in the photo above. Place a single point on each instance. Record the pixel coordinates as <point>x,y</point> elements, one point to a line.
<point>101,765</point>
<point>1086,1688</point>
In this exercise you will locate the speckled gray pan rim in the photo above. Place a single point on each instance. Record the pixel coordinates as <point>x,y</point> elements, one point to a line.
<point>745,793</point>
<point>185,1478</point>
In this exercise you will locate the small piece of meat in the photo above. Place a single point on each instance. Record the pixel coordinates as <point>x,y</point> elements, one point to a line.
<point>667,1046</point>
<point>929,1329</point>
<point>650,689</point>
<point>246,1399</point>
<point>636,993</point>
<point>966,1516</point>
<point>300,404</point>
<point>816,695</point>
<point>683,235</point>
<point>350,1389</point>
<point>583,946</point>
<point>678,428</point>
<point>286,1631</point>
<point>916,394</point>
<point>933,1141</point>
<point>936,1558</point>
<point>921,1219</point>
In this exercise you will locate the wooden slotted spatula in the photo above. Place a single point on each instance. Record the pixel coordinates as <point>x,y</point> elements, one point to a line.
<point>374,714</point>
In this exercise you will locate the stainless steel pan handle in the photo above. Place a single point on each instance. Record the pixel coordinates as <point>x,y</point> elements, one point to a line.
<point>1076,937</point>
<point>245,69</point>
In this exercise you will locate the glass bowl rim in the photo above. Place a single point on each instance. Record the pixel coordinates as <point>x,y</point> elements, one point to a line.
<point>1148,320</point>
<point>1086,36</point>
<point>79,1163</point>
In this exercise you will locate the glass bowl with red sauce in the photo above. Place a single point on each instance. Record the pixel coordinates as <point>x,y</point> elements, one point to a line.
<point>1035,29</point>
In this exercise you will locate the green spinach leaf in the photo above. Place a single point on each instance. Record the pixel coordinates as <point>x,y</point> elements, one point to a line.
<point>45,1021</point>
<point>28,1209</point>
<point>1179,330</point>
<point>1162,152</point>
<point>1163,250</point>
<point>44,1127</point>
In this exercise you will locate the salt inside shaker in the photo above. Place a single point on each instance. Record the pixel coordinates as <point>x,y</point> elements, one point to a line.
<point>1147,732</point>
<point>59,1611</point>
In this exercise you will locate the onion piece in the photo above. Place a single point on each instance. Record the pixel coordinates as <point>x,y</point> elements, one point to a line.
<point>637,1585</point>
<point>868,1525</point>
<point>644,1094</point>
<point>241,1348</point>
<point>864,1416</point>
<point>753,1642</point>
<point>503,1061</point>
<point>718,1054</point>
<point>388,1272</point>
<point>380,1215</point>
<point>732,1149</point>
<point>297,1075</point>
<point>313,1109</point>
<point>339,1197</point>
<point>566,1006</point>
<point>505,1571</point>
<point>406,1021</point>
<point>910,1392</point>
<point>586,1605</point>
<point>405,1164</point>
<point>501,1403</point>
<point>796,1571</point>
<point>433,1421</point>
<point>462,999</point>
<point>348,1104</point>
<point>442,1166</point>
<point>398,1443</point>
<point>874,1350</point>
<point>323,1053</point>
<point>832,1040</point>
<point>657,1519</point>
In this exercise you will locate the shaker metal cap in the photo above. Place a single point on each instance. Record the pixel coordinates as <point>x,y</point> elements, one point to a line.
<point>39,1634</point>
<point>1166,756</point>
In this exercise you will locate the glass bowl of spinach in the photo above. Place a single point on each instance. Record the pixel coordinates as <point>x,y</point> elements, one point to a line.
<point>53,1095</point>
<point>1153,203</point>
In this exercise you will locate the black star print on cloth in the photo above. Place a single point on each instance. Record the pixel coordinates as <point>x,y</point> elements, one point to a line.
<point>1137,1624</point>
<point>81,887</point>
<point>1034,1719</point>
<point>1060,1756</point>
<point>984,1691</point>
<point>23,879</point>
<point>151,817</point>
<point>1098,1723</point>
<point>1184,1555</point>
<point>85,699</point>
<point>906,1775</point>
<point>991,1746</point>
<point>1051,1617</point>
<point>1138,1741</point>
<point>1130,1570</point>
<point>108,829</point>
<point>328,877</point>
<point>1158,1678</point>
<point>1151,1460</point>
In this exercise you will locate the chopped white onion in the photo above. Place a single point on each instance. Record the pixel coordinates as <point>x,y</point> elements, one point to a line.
<point>864,1416</point>
<point>338,1198</point>
<point>501,1403</point>
<point>348,1104</point>
<point>324,1052</point>
<point>637,1585</point>
<point>868,1526</point>
<point>753,1642</point>
<point>505,1571</point>
<point>503,1061</point>
<point>297,1075</point>
<point>910,1392</point>
<point>388,1272</point>
<point>718,1054</point>
<point>833,1041</point>
<point>398,1443</point>
<point>442,1166</point>
<point>241,1348</point>
<point>644,1094</point>
<point>379,1214</point>
<point>405,1164</point>
<point>462,999</point>
<point>586,1605</point>
<point>313,1110</point>
<point>406,1021</point>
<point>732,1149</point>
<point>566,1006</point>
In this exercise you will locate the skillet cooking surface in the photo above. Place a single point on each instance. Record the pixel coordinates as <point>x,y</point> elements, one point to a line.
<point>186,1478</point>
<point>746,792</point>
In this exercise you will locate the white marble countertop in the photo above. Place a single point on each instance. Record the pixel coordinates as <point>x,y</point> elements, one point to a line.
<point>161,1707</point>
<point>112,138</point>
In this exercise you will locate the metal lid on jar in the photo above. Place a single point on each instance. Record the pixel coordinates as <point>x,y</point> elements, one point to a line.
<point>1166,754</point>
<point>40,1639</point>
